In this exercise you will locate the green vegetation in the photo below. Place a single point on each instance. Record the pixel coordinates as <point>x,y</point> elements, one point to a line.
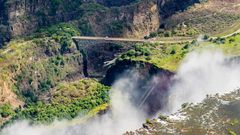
<point>89,8</point>
<point>32,66</point>
<point>54,6</point>
<point>38,77</point>
<point>221,22</point>
<point>163,56</point>
<point>119,3</point>
<point>219,40</point>
<point>169,56</point>
<point>229,45</point>
<point>65,6</point>
<point>61,33</point>
<point>40,68</point>
<point>115,28</point>
<point>162,117</point>
<point>176,32</point>
<point>85,28</point>
<point>148,121</point>
<point>139,50</point>
<point>6,110</point>
<point>232,132</point>
<point>67,101</point>
<point>229,30</point>
<point>57,31</point>
<point>33,77</point>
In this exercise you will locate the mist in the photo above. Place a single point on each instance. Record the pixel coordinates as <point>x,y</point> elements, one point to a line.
<point>200,74</point>
<point>123,116</point>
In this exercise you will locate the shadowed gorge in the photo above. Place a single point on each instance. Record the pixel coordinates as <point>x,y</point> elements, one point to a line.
<point>152,83</point>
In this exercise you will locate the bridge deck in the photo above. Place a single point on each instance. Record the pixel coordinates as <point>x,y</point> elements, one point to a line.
<point>114,39</point>
<point>110,39</point>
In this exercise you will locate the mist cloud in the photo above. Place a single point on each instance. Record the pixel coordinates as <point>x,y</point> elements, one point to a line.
<point>203,73</point>
<point>123,116</point>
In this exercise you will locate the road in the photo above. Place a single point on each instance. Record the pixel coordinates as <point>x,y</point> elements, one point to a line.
<point>109,39</point>
<point>229,35</point>
<point>170,40</point>
<point>161,40</point>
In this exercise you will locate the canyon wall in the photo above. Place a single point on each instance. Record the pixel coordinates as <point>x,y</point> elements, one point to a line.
<point>129,18</point>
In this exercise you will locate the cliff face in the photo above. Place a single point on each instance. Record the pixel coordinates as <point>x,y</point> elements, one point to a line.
<point>169,7</point>
<point>112,3</point>
<point>26,16</point>
<point>4,34</point>
<point>127,18</point>
<point>19,18</point>
<point>136,20</point>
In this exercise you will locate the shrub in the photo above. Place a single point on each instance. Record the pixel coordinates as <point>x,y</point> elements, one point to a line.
<point>219,40</point>
<point>192,32</point>
<point>148,121</point>
<point>153,34</point>
<point>67,104</point>
<point>142,50</point>
<point>148,58</point>
<point>65,44</point>
<point>186,46</point>
<point>162,117</point>
<point>173,51</point>
<point>194,42</point>
<point>205,37</point>
<point>184,105</point>
<point>232,132</point>
<point>131,53</point>
<point>116,28</point>
<point>6,110</point>
<point>231,40</point>
<point>167,34</point>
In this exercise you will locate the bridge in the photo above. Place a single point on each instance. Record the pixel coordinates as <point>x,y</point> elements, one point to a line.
<point>96,51</point>
<point>83,41</point>
<point>86,40</point>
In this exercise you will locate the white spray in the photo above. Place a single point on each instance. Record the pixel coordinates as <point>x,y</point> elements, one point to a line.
<point>124,116</point>
<point>200,74</point>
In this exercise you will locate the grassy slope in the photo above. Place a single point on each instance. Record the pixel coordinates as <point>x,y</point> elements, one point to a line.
<point>213,17</point>
<point>41,65</point>
<point>235,27</point>
<point>169,56</point>
<point>163,56</point>
<point>67,101</point>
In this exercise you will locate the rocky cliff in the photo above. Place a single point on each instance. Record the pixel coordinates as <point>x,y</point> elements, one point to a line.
<point>19,18</point>
<point>128,18</point>
<point>136,20</point>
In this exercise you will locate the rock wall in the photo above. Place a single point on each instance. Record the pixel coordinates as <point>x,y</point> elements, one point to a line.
<point>26,16</point>
<point>127,18</point>
<point>169,7</point>
<point>20,18</point>
<point>136,20</point>
<point>147,78</point>
<point>4,32</point>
